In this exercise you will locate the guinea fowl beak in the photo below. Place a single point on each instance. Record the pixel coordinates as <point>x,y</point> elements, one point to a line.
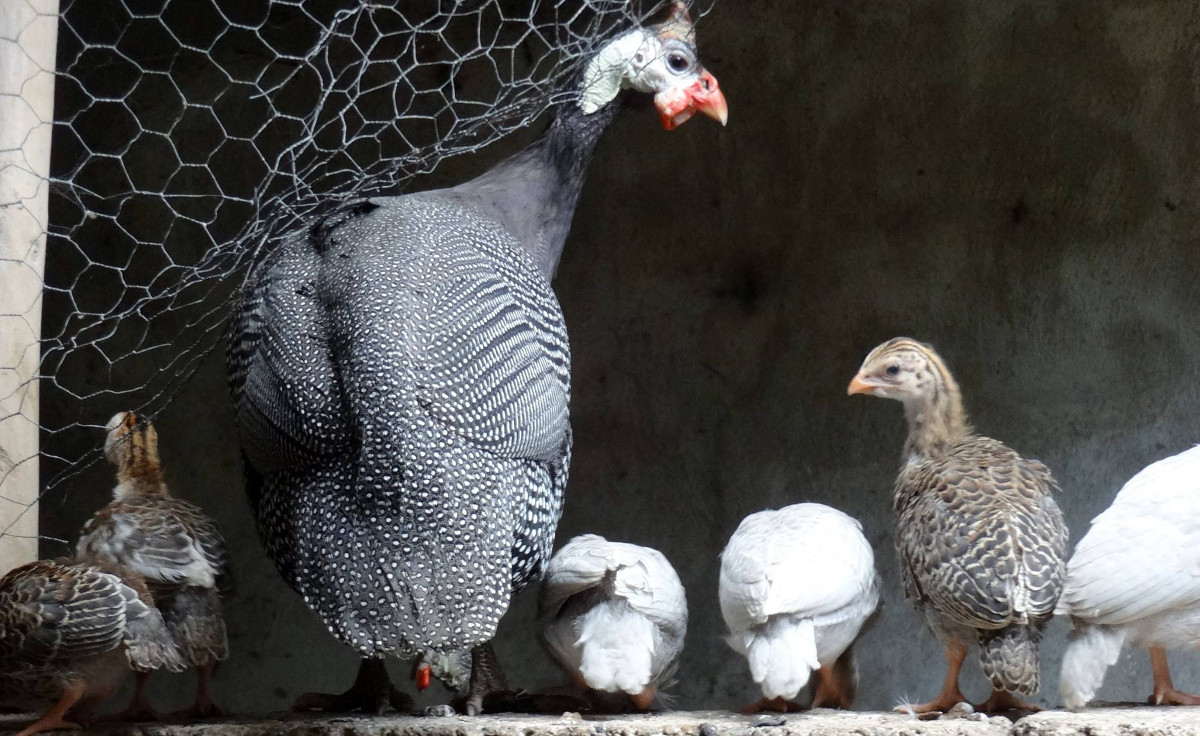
<point>423,676</point>
<point>677,105</point>
<point>709,99</point>
<point>859,386</point>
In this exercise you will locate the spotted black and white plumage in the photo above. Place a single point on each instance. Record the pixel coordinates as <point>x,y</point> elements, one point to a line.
<point>401,377</point>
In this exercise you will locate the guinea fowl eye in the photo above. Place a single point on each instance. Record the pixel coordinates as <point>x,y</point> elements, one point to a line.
<point>892,370</point>
<point>677,62</point>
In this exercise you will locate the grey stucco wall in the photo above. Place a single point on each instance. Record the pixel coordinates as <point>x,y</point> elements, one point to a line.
<point>1013,182</point>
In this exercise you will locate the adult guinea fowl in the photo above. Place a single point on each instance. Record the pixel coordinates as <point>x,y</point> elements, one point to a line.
<point>614,616</point>
<point>69,630</point>
<point>174,546</point>
<point>1135,579</point>
<point>401,376</point>
<point>796,586</point>
<point>982,543</point>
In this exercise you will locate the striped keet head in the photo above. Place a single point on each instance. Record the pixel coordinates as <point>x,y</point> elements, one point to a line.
<point>124,429</point>
<point>901,369</point>
<point>453,669</point>
<point>661,60</point>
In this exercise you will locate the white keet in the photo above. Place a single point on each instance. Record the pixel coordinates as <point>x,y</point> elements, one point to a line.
<point>614,616</point>
<point>796,586</point>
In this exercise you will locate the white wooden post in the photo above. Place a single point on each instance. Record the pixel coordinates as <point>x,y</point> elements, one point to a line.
<point>28,39</point>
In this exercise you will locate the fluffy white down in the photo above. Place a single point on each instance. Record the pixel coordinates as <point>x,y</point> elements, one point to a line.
<point>613,613</point>
<point>796,586</point>
<point>1135,576</point>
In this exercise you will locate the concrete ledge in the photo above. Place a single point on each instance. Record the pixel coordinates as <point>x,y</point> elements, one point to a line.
<point>1116,721</point>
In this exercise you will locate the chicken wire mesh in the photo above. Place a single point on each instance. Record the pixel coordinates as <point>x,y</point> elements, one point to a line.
<point>189,136</point>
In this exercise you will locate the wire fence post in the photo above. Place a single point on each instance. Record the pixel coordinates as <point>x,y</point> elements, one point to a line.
<point>28,39</point>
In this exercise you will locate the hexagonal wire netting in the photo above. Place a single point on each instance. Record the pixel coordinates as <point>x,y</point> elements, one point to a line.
<point>192,135</point>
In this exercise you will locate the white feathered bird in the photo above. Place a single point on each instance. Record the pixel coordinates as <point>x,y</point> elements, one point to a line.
<point>797,584</point>
<point>1135,580</point>
<point>614,615</point>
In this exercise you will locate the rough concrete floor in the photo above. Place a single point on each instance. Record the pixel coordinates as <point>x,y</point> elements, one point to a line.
<point>1112,721</point>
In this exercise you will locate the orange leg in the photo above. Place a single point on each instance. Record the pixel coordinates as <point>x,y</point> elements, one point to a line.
<point>830,692</point>
<point>950,695</point>
<point>645,698</point>
<point>1164,691</point>
<point>778,705</point>
<point>53,718</point>
<point>1000,701</point>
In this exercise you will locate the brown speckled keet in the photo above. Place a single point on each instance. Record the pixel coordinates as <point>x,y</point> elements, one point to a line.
<point>982,544</point>
<point>69,629</point>
<point>174,545</point>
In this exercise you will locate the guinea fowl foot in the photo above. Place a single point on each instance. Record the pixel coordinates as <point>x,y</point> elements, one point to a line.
<point>487,683</point>
<point>1164,690</point>
<point>1001,702</point>
<point>203,706</point>
<point>941,704</point>
<point>52,719</point>
<point>371,692</point>
<point>774,705</point>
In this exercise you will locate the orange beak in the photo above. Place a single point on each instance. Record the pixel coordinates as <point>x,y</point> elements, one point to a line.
<point>676,106</point>
<point>859,386</point>
<point>423,676</point>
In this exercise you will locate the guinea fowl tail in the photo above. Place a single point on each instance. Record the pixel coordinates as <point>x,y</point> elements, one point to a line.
<point>1091,650</point>
<point>617,646</point>
<point>782,655</point>
<point>1009,658</point>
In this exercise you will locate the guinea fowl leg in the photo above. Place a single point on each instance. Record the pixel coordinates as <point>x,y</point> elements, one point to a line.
<point>1164,690</point>
<point>830,691</point>
<point>1001,701</point>
<point>52,719</point>
<point>371,692</point>
<point>203,706</point>
<point>139,708</point>
<point>777,705</point>
<point>643,700</point>
<point>486,678</point>
<point>950,695</point>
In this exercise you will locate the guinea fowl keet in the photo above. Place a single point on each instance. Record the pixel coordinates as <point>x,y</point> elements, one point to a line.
<point>1134,579</point>
<point>614,616</point>
<point>796,586</point>
<point>401,378</point>
<point>982,543</point>
<point>174,546</point>
<point>69,630</point>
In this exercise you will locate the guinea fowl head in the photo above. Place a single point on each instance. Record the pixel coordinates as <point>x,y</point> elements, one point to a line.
<point>132,445</point>
<point>659,59</point>
<point>912,372</point>
<point>453,669</point>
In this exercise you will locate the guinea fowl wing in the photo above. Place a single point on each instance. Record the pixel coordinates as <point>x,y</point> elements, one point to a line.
<point>983,540</point>
<point>152,536</point>
<point>1141,556</point>
<point>770,566</point>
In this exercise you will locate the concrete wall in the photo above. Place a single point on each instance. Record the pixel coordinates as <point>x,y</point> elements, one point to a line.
<point>1013,182</point>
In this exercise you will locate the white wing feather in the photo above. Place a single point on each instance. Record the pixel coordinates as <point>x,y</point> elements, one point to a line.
<point>808,560</point>
<point>1142,555</point>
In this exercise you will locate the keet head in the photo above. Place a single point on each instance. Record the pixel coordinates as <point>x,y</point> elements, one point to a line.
<point>453,669</point>
<point>123,425</point>
<point>900,369</point>
<point>659,59</point>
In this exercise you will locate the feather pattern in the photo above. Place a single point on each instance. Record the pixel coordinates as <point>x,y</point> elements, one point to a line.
<point>63,621</point>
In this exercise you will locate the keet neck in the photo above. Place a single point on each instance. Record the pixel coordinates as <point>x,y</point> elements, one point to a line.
<point>139,472</point>
<point>936,421</point>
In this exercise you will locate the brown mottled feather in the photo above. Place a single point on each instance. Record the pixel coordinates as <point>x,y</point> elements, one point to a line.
<point>58,616</point>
